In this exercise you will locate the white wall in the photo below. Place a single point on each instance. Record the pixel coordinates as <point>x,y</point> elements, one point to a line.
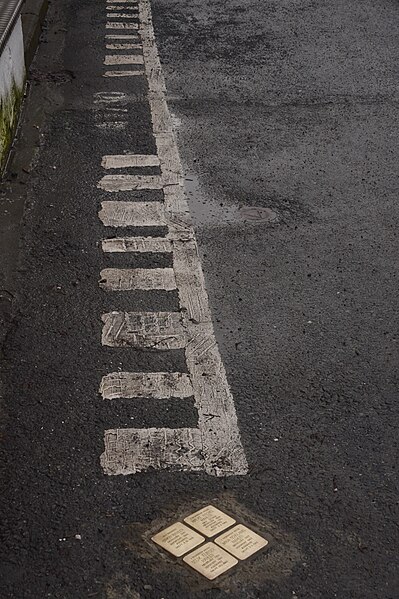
<point>12,81</point>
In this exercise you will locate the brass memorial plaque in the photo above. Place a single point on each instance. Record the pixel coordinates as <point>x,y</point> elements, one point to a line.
<point>178,539</point>
<point>209,521</point>
<point>241,541</point>
<point>210,560</point>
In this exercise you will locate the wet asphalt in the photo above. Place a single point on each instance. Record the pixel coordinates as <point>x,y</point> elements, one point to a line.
<point>287,106</point>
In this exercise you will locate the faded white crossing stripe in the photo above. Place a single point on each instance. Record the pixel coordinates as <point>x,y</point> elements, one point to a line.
<point>121,25</point>
<point>143,330</point>
<point>129,160</point>
<point>133,8</point>
<point>114,59</point>
<point>115,36</point>
<point>132,450</point>
<point>130,279</point>
<point>146,385</point>
<point>151,245</point>
<point>123,46</point>
<point>132,214</point>
<point>215,445</point>
<point>123,73</point>
<point>118,15</point>
<point>115,183</point>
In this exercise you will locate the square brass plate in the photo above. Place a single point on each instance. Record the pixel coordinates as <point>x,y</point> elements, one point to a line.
<point>178,539</point>
<point>241,541</point>
<point>210,560</point>
<point>209,521</point>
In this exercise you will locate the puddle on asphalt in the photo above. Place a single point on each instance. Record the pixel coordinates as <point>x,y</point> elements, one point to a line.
<point>209,212</point>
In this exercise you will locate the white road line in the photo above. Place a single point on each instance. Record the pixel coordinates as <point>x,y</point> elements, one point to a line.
<point>118,15</point>
<point>143,330</point>
<point>111,36</point>
<point>157,245</point>
<point>220,438</point>
<point>115,183</point>
<point>146,385</point>
<point>109,97</point>
<point>123,46</point>
<point>113,59</point>
<point>131,279</point>
<point>135,8</point>
<point>128,451</point>
<point>132,214</point>
<point>116,125</point>
<point>129,160</point>
<point>121,1</point>
<point>116,25</point>
<point>122,73</point>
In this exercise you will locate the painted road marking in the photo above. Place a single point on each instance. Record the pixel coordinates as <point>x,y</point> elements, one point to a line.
<point>111,36</point>
<point>129,160</point>
<point>122,73</point>
<point>118,15</point>
<point>117,183</point>
<point>130,279</point>
<point>109,97</point>
<point>113,59</point>
<point>135,8</point>
<point>150,245</point>
<point>214,445</point>
<point>132,450</point>
<point>132,214</point>
<point>123,46</point>
<point>116,25</point>
<point>143,330</point>
<point>146,385</point>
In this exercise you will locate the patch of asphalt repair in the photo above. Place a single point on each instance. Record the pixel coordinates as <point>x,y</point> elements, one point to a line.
<point>304,308</point>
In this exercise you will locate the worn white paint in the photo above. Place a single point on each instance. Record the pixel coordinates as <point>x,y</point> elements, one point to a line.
<point>109,97</point>
<point>118,15</point>
<point>131,279</point>
<point>151,245</point>
<point>214,446</point>
<point>132,214</point>
<point>134,8</point>
<point>113,59</point>
<point>129,160</point>
<point>128,451</point>
<point>116,25</point>
<point>115,183</point>
<point>115,125</point>
<point>111,36</point>
<point>143,330</point>
<point>146,385</point>
<point>123,73</point>
<point>122,2</point>
<point>123,46</point>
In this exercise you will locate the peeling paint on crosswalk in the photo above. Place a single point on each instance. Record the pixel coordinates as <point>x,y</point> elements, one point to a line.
<point>130,279</point>
<point>129,160</point>
<point>144,330</point>
<point>147,385</point>
<point>132,214</point>
<point>150,245</point>
<point>214,446</point>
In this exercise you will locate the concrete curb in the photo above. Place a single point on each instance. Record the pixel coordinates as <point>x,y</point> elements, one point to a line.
<point>33,15</point>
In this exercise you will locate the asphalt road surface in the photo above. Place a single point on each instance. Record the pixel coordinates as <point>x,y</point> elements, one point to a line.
<point>121,414</point>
